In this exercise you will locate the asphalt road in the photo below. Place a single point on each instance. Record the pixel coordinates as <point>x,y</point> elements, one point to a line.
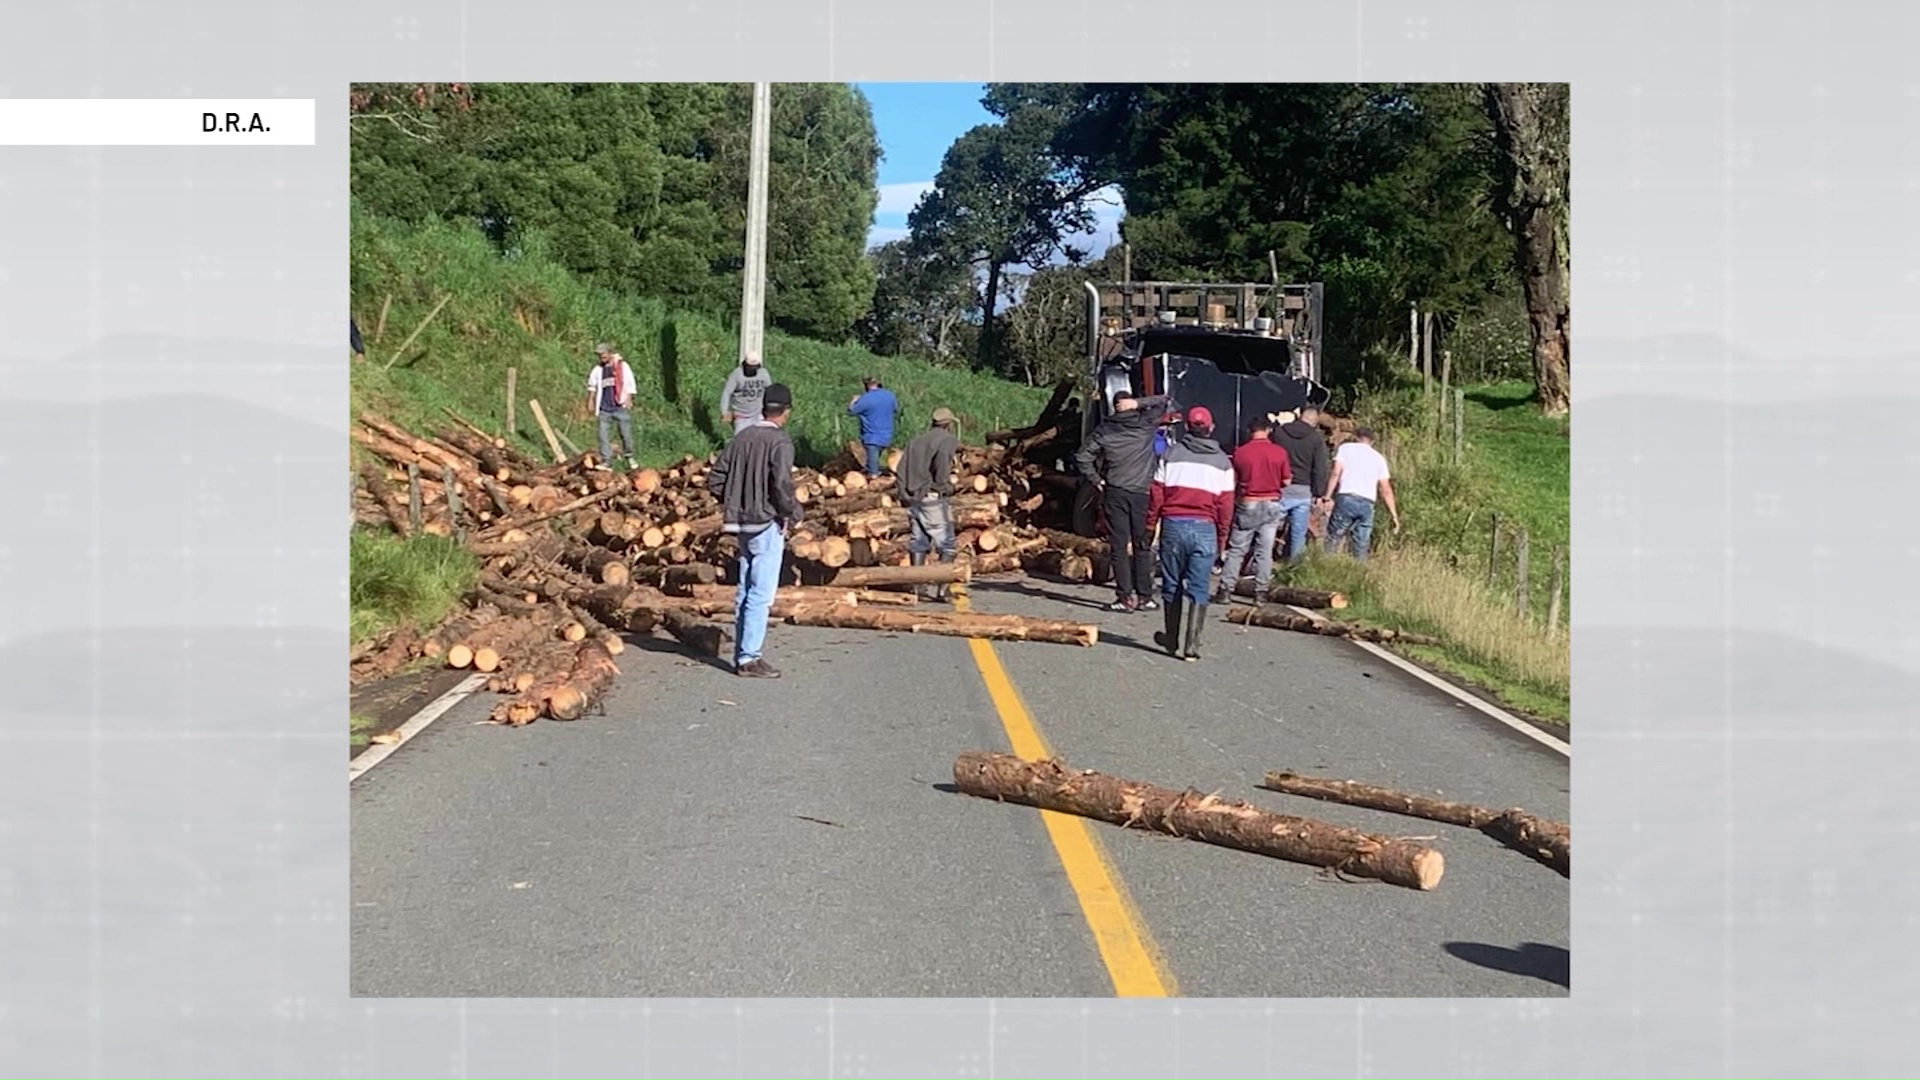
<point>711,836</point>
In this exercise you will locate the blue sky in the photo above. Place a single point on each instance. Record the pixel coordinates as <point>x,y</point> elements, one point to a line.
<point>916,123</point>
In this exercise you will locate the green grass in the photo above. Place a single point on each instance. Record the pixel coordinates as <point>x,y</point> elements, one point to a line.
<point>357,728</point>
<point>530,314</point>
<point>1438,576</point>
<point>392,582</point>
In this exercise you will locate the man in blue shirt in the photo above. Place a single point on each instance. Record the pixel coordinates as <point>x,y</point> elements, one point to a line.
<point>876,408</point>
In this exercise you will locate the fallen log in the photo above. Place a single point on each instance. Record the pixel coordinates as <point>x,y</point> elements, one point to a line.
<point>394,653</point>
<point>678,578</point>
<point>803,594</point>
<point>950,624</point>
<point>565,694</point>
<point>1292,597</point>
<point>391,505</point>
<point>860,577</point>
<point>1051,785</point>
<point>1272,617</point>
<point>1548,841</point>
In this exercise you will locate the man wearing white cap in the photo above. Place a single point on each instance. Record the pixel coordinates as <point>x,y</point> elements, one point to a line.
<point>740,397</point>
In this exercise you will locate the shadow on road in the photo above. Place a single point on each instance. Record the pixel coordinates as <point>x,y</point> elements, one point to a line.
<point>1028,588</point>
<point>648,643</point>
<point>1549,963</point>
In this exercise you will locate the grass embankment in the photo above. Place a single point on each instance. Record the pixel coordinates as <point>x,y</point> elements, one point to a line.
<point>529,314</point>
<point>1435,576</point>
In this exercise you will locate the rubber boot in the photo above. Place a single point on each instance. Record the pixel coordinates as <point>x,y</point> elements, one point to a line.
<point>916,558</point>
<point>1196,621</point>
<point>944,592</point>
<point>1169,639</point>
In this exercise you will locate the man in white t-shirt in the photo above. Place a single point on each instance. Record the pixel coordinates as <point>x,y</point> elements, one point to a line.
<point>1360,476</point>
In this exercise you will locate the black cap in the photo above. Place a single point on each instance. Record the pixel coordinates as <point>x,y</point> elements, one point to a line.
<point>778,394</point>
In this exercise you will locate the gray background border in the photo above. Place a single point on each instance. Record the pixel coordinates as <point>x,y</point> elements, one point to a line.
<point>173,892</point>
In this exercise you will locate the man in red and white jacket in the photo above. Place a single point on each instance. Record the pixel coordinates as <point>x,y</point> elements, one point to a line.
<point>1192,502</point>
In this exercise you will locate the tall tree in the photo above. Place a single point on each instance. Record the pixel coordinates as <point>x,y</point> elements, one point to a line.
<point>1531,126</point>
<point>920,303</point>
<point>1001,199</point>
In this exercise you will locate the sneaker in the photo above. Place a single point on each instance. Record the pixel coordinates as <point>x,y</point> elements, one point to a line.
<point>1148,603</point>
<point>756,669</point>
<point>1125,604</point>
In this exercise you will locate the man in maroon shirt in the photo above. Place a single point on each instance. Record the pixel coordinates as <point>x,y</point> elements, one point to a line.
<point>1261,469</point>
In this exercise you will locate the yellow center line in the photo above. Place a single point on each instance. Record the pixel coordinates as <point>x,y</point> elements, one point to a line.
<point>1127,950</point>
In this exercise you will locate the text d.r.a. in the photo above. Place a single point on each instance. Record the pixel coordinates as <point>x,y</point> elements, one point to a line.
<point>232,122</point>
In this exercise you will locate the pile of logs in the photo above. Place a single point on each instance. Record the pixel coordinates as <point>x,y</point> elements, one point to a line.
<point>576,554</point>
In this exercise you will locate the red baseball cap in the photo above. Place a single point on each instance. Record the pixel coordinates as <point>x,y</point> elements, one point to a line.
<point>1199,417</point>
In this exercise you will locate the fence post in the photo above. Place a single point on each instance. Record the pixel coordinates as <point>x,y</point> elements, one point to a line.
<point>1520,571</point>
<point>453,507</point>
<point>1559,581</point>
<point>1459,425</point>
<point>512,377</point>
<point>1493,550</point>
<point>413,496</point>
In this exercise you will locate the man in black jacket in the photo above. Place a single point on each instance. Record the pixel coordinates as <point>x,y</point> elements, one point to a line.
<point>1119,458</point>
<point>1306,451</point>
<point>753,479</point>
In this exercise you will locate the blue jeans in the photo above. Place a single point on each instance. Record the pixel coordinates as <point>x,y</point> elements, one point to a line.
<point>1298,509</point>
<point>1351,514</point>
<point>932,524</point>
<point>1187,550</point>
<point>760,558</point>
<point>874,450</point>
<point>607,420</point>
<point>1254,523</point>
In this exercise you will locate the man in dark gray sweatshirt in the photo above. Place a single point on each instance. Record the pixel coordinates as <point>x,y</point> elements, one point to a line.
<point>1306,451</point>
<point>741,397</point>
<point>926,482</point>
<point>753,479</point>
<point>1120,459</point>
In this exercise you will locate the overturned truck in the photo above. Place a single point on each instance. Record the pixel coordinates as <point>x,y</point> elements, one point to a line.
<point>1242,350</point>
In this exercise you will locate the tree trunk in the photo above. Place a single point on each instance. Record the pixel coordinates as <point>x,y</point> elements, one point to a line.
<point>564,695</point>
<point>988,303</point>
<point>993,627</point>
<point>861,577</point>
<point>1530,128</point>
<point>1275,619</point>
<point>1051,785</point>
<point>1283,594</point>
<point>799,594</point>
<point>1550,842</point>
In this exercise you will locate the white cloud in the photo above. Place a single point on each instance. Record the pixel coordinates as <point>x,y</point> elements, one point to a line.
<point>901,198</point>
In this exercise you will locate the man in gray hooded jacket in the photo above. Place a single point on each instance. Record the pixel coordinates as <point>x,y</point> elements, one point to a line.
<point>746,386</point>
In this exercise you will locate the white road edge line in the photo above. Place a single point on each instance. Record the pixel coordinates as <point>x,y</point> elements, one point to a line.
<point>1431,679</point>
<point>435,709</point>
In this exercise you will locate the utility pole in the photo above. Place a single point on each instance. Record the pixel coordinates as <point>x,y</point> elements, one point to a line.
<point>753,299</point>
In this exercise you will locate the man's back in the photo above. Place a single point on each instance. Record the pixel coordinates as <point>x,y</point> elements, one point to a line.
<point>1260,469</point>
<point>754,478</point>
<point>1306,452</point>
<point>927,461</point>
<point>1361,470</point>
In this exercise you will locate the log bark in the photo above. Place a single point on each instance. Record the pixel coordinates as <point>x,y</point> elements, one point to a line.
<point>392,505</point>
<point>389,657</point>
<point>605,566</point>
<point>859,577</point>
<point>991,627</point>
<point>801,594</point>
<point>1274,618</point>
<point>1051,785</point>
<point>680,578</point>
<point>1283,594</point>
<point>1548,841</point>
